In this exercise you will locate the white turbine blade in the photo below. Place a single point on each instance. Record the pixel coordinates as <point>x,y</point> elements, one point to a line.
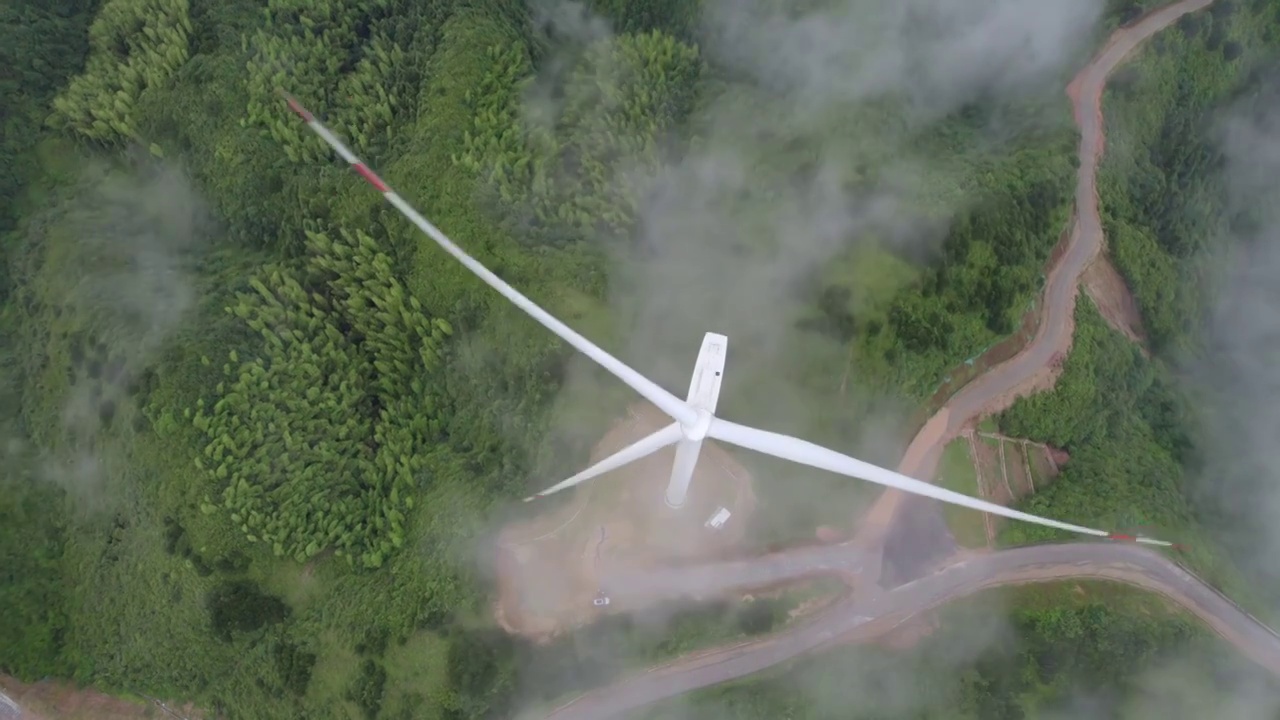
<point>641,448</point>
<point>651,391</point>
<point>807,453</point>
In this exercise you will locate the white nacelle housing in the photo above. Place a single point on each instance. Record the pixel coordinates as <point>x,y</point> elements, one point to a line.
<point>704,394</point>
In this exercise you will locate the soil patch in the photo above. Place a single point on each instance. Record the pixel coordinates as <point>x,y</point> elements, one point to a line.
<point>1016,468</point>
<point>1109,292</point>
<point>54,700</point>
<point>986,461</point>
<point>1011,469</point>
<point>550,567</point>
<point>828,535</point>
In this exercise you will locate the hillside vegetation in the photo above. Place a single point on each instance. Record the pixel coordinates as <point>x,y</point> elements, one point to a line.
<point>257,430</point>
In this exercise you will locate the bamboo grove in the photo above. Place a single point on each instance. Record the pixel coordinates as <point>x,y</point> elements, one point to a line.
<point>133,45</point>
<point>316,49</point>
<point>317,441</point>
<point>588,170</point>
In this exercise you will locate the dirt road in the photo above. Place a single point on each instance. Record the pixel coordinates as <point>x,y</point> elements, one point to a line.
<point>635,590</point>
<point>877,615</point>
<point>865,617</point>
<point>997,388</point>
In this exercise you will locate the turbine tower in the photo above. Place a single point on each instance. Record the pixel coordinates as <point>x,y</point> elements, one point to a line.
<point>694,418</point>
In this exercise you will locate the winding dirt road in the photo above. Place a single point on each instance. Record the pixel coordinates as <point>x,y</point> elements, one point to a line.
<point>874,614</point>
<point>997,388</point>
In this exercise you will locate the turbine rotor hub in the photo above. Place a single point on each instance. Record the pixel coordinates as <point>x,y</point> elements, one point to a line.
<point>698,430</point>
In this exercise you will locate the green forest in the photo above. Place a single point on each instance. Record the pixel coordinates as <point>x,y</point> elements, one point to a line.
<point>256,429</point>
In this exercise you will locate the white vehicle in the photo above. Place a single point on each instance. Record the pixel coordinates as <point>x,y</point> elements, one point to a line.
<point>717,521</point>
<point>601,600</point>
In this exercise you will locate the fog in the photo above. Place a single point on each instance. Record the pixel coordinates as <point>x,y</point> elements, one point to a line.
<point>737,228</point>
<point>803,154</point>
<point>1237,377</point>
<point>1235,382</point>
<point>937,54</point>
<point>117,271</point>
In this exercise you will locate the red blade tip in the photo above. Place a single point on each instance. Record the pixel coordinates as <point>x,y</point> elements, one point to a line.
<point>296,107</point>
<point>371,177</point>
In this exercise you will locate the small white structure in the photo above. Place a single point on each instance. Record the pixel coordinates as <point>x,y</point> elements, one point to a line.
<point>716,521</point>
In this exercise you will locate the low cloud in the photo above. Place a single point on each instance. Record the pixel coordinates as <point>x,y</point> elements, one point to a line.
<point>117,268</point>
<point>1238,378</point>
<point>804,152</point>
<point>936,54</point>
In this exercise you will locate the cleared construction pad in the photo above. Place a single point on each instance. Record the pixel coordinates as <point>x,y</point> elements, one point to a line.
<point>549,568</point>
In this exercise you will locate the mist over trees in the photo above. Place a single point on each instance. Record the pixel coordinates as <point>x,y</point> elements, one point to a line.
<point>257,432</point>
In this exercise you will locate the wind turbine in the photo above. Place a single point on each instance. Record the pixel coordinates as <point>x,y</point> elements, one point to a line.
<point>694,418</point>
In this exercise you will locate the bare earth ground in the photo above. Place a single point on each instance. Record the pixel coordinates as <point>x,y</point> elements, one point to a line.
<point>1015,467</point>
<point>1043,380</point>
<point>1023,468</point>
<point>921,457</point>
<point>549,567</point>
<point>1107,288</point>
<point>48,700</point>
<point>986,461</point>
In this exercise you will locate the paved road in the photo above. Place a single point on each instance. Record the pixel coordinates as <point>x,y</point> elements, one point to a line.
<point>879,613</point>
<point>864,617</point>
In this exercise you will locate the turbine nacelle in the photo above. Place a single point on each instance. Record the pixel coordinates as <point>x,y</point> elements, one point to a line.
<point>698,430</point>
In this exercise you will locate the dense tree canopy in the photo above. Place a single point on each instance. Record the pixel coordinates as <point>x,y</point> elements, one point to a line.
<point>319,441</point>
<point>199,412</point>
<point>336,54</point>
<point>133,45</point>
<point>586,172</point>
